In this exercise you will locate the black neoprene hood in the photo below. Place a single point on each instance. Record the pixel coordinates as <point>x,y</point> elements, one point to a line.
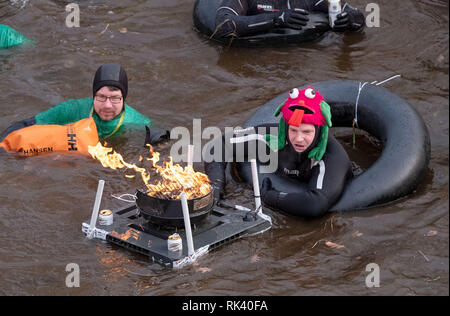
<point>111,75</point>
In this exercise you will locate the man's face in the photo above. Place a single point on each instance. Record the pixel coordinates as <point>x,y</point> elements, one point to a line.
<point>108,104</point>
<point>301,137</point>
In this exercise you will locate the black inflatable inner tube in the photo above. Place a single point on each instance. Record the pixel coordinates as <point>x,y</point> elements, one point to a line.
<point>405,139</point>
<point>205,22</point>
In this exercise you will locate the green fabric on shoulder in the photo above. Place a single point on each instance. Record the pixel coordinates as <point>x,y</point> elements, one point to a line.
<point>70,111</point>
<point>10,37</point>
<point>74,110</point>
<point>134,117</point>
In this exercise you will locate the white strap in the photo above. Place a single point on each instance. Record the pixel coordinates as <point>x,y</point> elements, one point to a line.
<point>321,175</point>
<point>258,24</point>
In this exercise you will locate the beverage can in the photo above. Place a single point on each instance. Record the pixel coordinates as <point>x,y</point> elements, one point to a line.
<point>174,243</point>
<point>334,8</point>
<point>105,217</point>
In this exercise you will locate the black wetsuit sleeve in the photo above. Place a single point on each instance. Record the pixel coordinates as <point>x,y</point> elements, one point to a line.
<point>243,17</point>
<point>16,126</point>
<point>216,173</point>
<point>233,18</point>
<point>215,167</point>
<point>222,151</point>
<point>323,189</point>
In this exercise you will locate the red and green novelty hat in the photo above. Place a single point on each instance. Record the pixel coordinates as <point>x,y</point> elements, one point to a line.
<point>305,106</point>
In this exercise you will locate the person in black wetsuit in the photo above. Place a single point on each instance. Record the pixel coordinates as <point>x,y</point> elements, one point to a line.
<point>306,153</point>
<point>246,17</point>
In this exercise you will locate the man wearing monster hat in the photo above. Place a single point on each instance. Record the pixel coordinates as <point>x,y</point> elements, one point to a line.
<point>248,17</point>
<point>107,107</point>
<point>306,154</point>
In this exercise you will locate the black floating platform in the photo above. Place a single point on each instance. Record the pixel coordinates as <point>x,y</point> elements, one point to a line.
<point>132,231</point>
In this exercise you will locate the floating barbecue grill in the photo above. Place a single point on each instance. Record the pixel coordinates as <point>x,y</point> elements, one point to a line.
<point>168,212</point>
<point>146,225</point>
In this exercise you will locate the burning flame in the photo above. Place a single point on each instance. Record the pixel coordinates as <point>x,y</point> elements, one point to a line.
<point>175,179</point>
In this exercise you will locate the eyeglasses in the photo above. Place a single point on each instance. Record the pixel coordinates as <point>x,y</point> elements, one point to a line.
<point>115,99</point>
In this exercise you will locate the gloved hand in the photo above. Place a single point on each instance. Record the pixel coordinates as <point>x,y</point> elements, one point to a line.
<point>293,19</point>
<point>268,194</point>
<point>342,22</point>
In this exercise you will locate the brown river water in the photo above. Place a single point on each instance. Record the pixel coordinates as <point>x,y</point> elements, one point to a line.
<point>177,75</point>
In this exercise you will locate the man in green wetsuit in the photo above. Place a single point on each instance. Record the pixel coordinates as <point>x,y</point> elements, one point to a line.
<point>108,108</point>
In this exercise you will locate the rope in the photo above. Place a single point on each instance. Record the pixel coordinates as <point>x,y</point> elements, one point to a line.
<point>355,120</point>
<point>133,197</point>
<point>232,34</point>
<point>388,79</point>
<point>360,87</point>
<point>118,125</point>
